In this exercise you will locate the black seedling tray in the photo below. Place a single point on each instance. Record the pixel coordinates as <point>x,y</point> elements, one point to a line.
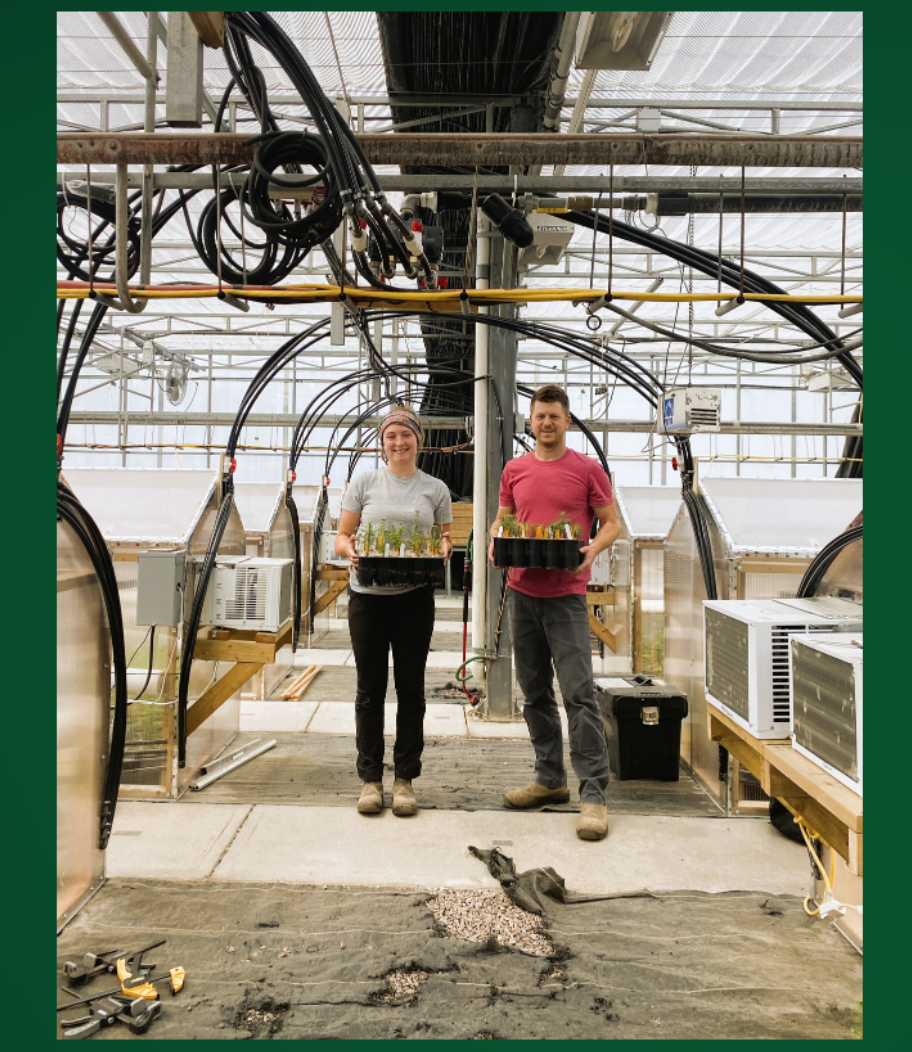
<point>395,571</point>
<point>537,553</point>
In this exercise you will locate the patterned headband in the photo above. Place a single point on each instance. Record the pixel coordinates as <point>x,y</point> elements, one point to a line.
<point>406,420</point>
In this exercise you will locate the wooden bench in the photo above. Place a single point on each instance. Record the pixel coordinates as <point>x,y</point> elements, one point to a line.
<point>829,809</point>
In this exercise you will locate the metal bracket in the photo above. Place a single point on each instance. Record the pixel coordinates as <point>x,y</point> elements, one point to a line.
<point>233,301</point>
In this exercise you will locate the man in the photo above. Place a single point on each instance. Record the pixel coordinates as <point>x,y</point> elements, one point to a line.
<point>550,616</point>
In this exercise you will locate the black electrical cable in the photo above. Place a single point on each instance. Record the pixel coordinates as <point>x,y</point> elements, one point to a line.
<point>88,336</point>
<point>67,340</point>
<point>142,689</point>
<point>205,573</point>
<point>822,561</point>
<point>799,316</point>
<point>71,511</point>
<point>708,263</point>
<point>292,509</point>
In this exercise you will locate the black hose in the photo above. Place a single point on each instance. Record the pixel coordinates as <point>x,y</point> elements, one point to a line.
<point>142,689</point>
<point>816,572</point>
<point>196,611</point>
<point>296,580</point>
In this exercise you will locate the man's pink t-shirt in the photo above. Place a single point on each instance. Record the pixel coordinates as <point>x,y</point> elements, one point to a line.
<point>540,490</point>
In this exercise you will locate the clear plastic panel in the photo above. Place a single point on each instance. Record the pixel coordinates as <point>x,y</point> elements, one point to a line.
<point>764,514</point>
<point>83,659</point>
<point>648,511</point>
<point>258,503</point>
<point>844,578</point>
<point>148,505</point>
<point>649,615</point>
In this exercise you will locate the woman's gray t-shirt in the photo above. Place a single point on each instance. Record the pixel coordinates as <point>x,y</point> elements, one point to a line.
<point>381,494</point>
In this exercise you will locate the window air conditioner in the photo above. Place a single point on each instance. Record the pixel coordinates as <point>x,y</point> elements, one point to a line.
<point>747,654</point>
<point>249,593</point>
<point>827,703</point>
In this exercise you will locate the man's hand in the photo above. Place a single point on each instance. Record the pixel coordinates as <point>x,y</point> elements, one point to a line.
<point>590,551</point>
<point>446,548</point>
<point>351,551</point>
<point>491,555</point>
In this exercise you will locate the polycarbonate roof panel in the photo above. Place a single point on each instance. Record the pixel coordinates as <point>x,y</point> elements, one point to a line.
<point>760,515</point>
<point>648,511</point>
<point>145,505</point>
<point>306,499</point>
<point>258,503</point>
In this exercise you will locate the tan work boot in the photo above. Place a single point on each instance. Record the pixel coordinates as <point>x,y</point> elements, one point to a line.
<point>593,822</point>
<point>371,800</point>
<point>404,802</point>
<point>535,795</point>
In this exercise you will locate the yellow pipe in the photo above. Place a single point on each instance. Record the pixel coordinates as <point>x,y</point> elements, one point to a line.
<point>451,298</point>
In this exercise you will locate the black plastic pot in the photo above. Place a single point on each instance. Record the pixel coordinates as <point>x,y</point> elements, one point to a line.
<point>534,554</point>
<point>502,551</point>
<point>518,550</point>
<point>397,571</point>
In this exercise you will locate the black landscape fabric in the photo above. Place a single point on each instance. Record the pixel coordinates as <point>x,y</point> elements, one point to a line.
<point>280,961</point>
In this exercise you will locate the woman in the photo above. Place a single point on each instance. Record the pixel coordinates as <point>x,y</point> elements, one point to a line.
<point>401,617</point>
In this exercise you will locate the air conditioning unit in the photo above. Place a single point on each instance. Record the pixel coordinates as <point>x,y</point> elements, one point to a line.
<point>826,682</point>
<point>747,654</point>
<point>691,409</point>
<point>249,593</point>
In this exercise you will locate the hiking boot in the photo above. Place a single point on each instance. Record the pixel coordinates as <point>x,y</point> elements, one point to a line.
<point>404,802</point>
<point>535,795</point>
<point>593,822</point>
<point>371,800</point>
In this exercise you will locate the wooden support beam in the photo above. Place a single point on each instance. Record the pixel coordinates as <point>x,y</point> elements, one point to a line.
<point>600,598</point>
<point>242,646</point>
<point>332,574</point>
<point>335,590</point>
<point>220,691</point>
<point>211,27</point>
<point>604,634</point>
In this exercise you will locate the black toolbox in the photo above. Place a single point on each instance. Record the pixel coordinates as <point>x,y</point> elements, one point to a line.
<point>642,719</point>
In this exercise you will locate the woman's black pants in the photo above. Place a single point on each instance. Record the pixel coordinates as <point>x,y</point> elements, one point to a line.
<point>404,622</point>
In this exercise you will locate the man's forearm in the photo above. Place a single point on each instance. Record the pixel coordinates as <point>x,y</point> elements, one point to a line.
<point>607,534</point>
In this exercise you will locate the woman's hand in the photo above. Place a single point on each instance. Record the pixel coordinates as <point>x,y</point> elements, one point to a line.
<point>446,548</point>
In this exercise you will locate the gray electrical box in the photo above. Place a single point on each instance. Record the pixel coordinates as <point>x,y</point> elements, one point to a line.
<point>161,581</point>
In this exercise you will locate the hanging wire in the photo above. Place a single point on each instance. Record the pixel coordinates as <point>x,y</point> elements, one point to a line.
<point>594,235</point>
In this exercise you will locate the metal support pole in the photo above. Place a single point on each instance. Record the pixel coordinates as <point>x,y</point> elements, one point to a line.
<point>480,522</point>
<point>145,244</point>
<point>502,368</point>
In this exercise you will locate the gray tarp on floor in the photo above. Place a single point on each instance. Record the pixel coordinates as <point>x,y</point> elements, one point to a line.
<point>682,965</point>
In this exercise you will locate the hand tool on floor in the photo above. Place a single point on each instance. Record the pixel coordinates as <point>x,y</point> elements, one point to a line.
<point>140,1023</point>
<point>104,1013</point>
<point>94,963</point>
<point>135,985</point>
<point>118,991</point>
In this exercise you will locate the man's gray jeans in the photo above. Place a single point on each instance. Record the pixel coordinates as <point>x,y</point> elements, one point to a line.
<point>546,630</point>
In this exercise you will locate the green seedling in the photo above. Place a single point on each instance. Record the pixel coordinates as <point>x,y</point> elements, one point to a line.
<point>510,525</point>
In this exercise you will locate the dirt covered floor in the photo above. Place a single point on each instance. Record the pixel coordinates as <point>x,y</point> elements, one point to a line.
<point>277,961</point>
